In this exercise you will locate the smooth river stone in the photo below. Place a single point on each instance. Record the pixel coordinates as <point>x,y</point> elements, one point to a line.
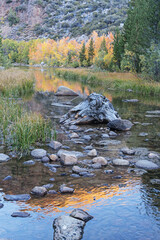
<point>20,214</point>
<point>148,165</point>
<point>38,153</point>
<point>4,158</point>
<point>81,215</point>
<point>120,162</point>
<point>20,197</point>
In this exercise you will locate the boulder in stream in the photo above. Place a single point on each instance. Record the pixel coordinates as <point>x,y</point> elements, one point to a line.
<point>68,228</point>
<point>64,91</point>
<point>120,125</point>
<point>94,109</point>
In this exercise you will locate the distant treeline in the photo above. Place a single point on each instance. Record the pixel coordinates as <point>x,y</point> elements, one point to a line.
<point>136,48</point>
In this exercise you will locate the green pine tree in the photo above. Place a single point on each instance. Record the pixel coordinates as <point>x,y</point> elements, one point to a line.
<point>103,46</point>
<point>91,52</point>
<point>118,47</point>
<point>82,55</point>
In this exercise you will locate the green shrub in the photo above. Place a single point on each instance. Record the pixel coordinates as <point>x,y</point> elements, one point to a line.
<point>12,18</point>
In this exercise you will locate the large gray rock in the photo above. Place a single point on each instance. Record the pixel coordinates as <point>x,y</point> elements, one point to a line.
<point>55,145</point>
<point>68,159</point>
<point>100,160</point>
<point>120,125</point>
<point>39,191</point>
<point>4,157</point>
<point>81,215</point>
<point>145,164</point>
<point>20,197</point>
<point>95,108</point>
<point>64,91</point>
<point>38,153</point>
<point>120,162</point>
<point>68,228</point>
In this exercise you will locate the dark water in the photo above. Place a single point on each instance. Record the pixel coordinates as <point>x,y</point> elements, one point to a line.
<point>123,209</point>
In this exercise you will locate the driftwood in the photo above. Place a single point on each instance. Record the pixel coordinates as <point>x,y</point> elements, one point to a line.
<point>94,109</point>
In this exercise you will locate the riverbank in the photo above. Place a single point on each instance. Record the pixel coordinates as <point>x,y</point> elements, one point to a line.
<point>117,81</point>
<point>19,128</point>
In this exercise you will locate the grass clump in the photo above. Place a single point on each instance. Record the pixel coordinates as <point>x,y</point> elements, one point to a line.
<point>16,83</point>
<point>20,129</point>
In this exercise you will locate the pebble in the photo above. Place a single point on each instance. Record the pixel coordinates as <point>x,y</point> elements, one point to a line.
<point>20,214</point>
<point>92,153</point>
<point>7,178</point>
<point>29,163</point>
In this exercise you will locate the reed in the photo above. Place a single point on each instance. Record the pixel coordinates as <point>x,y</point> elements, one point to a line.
<point>117,81</point>
<point>20,129</point>
<point>16,82</point>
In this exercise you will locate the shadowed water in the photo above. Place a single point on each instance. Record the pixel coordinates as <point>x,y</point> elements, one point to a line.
<point>123,209</point>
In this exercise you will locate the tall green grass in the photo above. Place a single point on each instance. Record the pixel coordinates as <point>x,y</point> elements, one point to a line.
<point>19,128</point>
<point>117,81</point>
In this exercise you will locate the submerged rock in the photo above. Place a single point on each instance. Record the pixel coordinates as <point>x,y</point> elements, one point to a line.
<point>148,165</point>
<point>77,154</point>
<point>128,151</point>
<point>68,228</point>
<point>7,178</point>
<point>64,91</point>
<point>4,158</point>
<point>20,214</point>
<point>38,153</point>
<point>29,163</point>
<point>81,215</point>
<point>65,189</point>
<point>20,197</point>
<point>1,205</point>
<point>77,169</point>
<point>155,181</point>
<point>39,191</point>
<point>120,125</point>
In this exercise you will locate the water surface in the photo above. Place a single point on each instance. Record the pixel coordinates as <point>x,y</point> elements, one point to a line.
<point>124,209</point>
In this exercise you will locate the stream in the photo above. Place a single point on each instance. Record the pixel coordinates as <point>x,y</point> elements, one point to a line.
<point>124,208</point>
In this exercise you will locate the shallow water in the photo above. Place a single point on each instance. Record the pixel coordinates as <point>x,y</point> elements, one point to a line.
<point>124,209</point>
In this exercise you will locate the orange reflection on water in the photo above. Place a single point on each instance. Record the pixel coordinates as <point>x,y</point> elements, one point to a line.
<point>82,198</point>
<point>47,81</point>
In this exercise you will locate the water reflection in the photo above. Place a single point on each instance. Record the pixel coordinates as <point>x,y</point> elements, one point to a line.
<point>127,208</point>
